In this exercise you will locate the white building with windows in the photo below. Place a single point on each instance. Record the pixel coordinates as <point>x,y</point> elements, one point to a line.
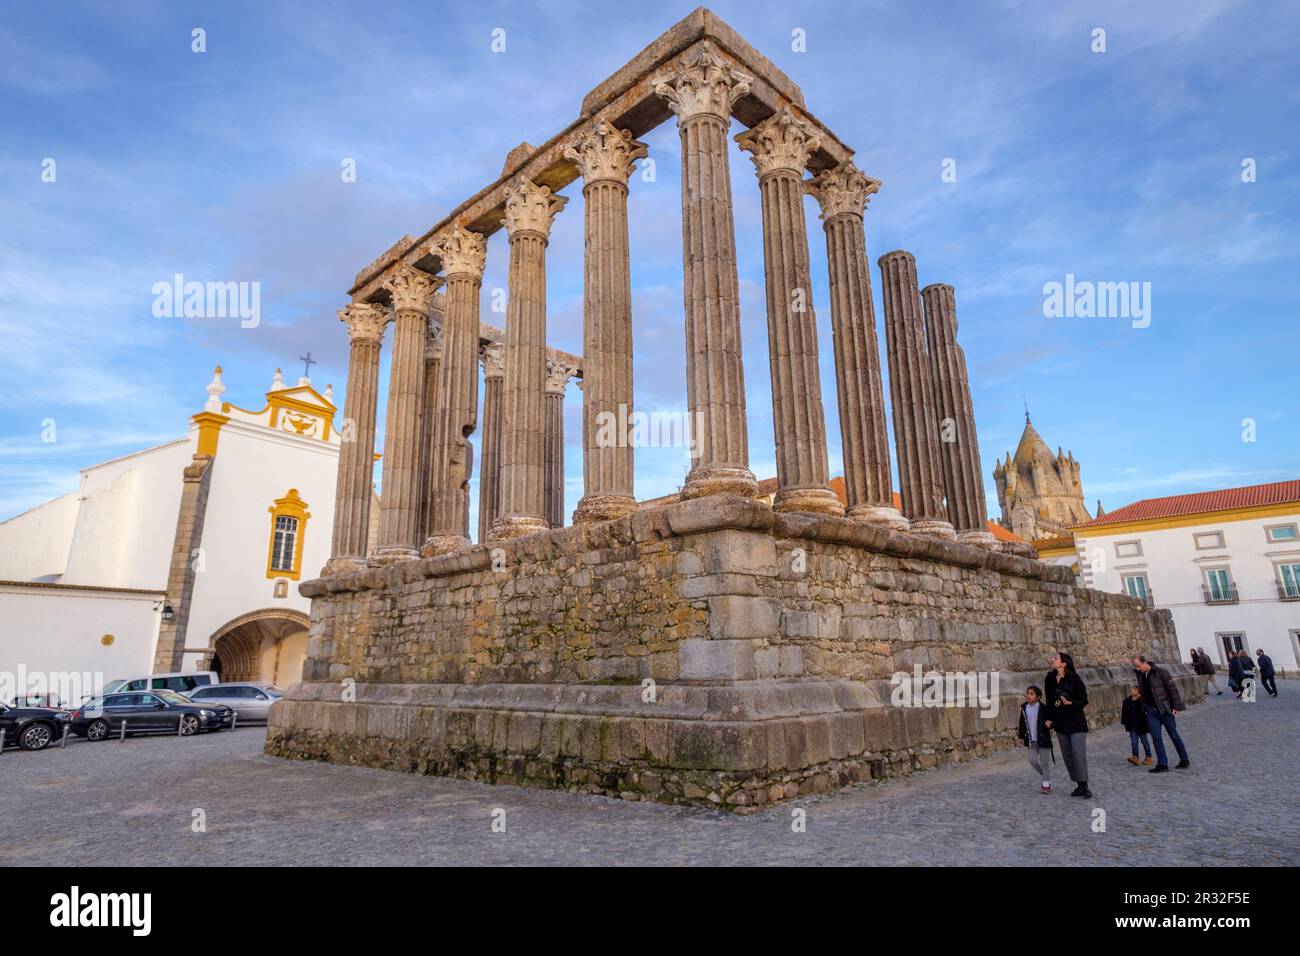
<point>180,557</point>
<point>1225,563</point>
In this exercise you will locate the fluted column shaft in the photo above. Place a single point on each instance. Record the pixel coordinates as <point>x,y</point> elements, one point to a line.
<point>489,482</point>
<point>605,157</point>
<point>555,458</point>
<point>911,391</point>
<point>432,420</point>
<point>399,514</point>
<point>529,211</point>
<point>702,94</point>
<point>959,453</point>
<point>781,146</point>
<point>864,440</point>
<point>462,254</point>
<point>357,449</point>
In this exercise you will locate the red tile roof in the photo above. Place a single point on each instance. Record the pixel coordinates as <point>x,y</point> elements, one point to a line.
<point>1251,496</point>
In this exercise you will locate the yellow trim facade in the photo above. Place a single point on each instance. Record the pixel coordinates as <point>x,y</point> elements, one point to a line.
<point>209,430</point>
<point>1186,521</point>
<point>290,506</point>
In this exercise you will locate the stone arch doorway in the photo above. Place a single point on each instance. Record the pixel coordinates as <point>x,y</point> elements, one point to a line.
<point>268,645</point>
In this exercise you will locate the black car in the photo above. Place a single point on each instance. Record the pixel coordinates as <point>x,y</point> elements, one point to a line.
<point>154,711</point>
<point>32,728</point>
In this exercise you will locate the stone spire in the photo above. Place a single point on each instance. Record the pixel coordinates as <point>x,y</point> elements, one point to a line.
<point>959,453</point>
<point>215,389</point>
<point>911,390</point>
<point>780,147</point>
<point>843,193</point>
<point>701,92</point>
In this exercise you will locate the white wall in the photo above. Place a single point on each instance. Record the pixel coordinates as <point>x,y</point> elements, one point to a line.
<point>36,543</point>
<point>47,628</point>
<point>1174,568</point>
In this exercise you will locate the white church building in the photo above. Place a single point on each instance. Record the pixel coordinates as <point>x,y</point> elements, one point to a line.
<point>180,557</point>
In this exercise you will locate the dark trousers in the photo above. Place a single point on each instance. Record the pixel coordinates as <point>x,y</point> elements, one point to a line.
<point>1156,720</point>
<point>1134,737</point>
<point>1270,684</point>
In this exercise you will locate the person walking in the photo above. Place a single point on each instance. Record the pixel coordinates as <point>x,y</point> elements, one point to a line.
<point>1163,705</point>
<point>1235,673</point>
<point>1033,731</point>
<point>1205,667</point>
<point>1067,696</point>
<point>1247,675</point>
<point>1133,718</point>
<point>1267,676</point>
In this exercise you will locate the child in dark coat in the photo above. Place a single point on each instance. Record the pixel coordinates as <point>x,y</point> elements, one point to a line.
<point>1033,731</point>
<point>1133,718</point>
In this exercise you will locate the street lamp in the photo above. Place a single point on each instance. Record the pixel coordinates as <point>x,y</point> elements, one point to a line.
<point>167,612</point>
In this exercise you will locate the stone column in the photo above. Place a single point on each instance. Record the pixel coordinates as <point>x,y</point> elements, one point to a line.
<point>701,92</point>
<point>432,367</point>
<point>399,511</point>
<point>959,452</point>
<point>355,482</point>
<point>780,147</point>
<point>911,391</point>
<point>493,355</point>
<point>843,193</point>
<point>605,157</point>
<point>530,209</point>
<point>463,254</point>
<point>557,379</point>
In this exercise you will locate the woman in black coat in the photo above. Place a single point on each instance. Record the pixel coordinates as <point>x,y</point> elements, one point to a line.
<point>1067,696</point>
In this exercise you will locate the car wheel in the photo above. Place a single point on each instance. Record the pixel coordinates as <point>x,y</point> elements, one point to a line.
<point>98,730</point>
<point>189,725</point>
<point>36,737</point>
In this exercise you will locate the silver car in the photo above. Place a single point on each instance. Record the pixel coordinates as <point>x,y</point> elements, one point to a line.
<point>250,701</point>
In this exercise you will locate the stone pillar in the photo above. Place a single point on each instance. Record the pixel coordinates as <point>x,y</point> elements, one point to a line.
<point>557,379</point>
<point>463,254</point>
<point>843,193</point>
<point>911,391</point>
<point>493,356</point>
<point>432,368</point>
<point>355,482</point>
<point>399,511</point>
<point>605,157</point>
<point>780,147</point>
<point>959,452</point>
<point>530,209</point>
<point>701,92</point>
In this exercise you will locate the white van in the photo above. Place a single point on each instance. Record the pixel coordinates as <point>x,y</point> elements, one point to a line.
<point>181,683</point>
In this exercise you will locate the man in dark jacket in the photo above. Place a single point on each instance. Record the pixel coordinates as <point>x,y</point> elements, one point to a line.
<point>1163,704</point>
<point>1235,672</point>
<point>1267,676</point>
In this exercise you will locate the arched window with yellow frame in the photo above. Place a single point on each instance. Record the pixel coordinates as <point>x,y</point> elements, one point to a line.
<point>288,528</point>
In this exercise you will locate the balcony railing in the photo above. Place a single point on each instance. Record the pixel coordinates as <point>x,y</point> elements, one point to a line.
<point>1148,600</point>
<point>1288,591</point>
<point>1220,595</point>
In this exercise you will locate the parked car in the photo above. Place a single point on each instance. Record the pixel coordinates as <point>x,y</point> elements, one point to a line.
<point>32,728</point>
<point>155,711</point>
<point>181,683</point>
<point>251,701</point>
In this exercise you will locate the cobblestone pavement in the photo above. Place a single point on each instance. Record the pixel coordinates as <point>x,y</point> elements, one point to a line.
<point>133,802</point>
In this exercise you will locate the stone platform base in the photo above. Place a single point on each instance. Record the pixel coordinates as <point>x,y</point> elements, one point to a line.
<point>708,652</point>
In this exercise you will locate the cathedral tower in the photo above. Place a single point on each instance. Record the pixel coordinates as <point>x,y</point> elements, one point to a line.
<point>1040,493</point>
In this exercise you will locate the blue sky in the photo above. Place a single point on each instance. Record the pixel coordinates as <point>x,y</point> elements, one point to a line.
<point>225,166</point>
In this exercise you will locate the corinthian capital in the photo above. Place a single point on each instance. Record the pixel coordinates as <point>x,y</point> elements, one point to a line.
<point>531,208</point>
<point>842,189</point>
<point>705,85</point>
<point>462,252</point>
<point>365,321</point>
<point>493,355</point>
<point>783,141</point>
<point>558,375</point>
<point>605,153</point>
<point>411,288</point>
